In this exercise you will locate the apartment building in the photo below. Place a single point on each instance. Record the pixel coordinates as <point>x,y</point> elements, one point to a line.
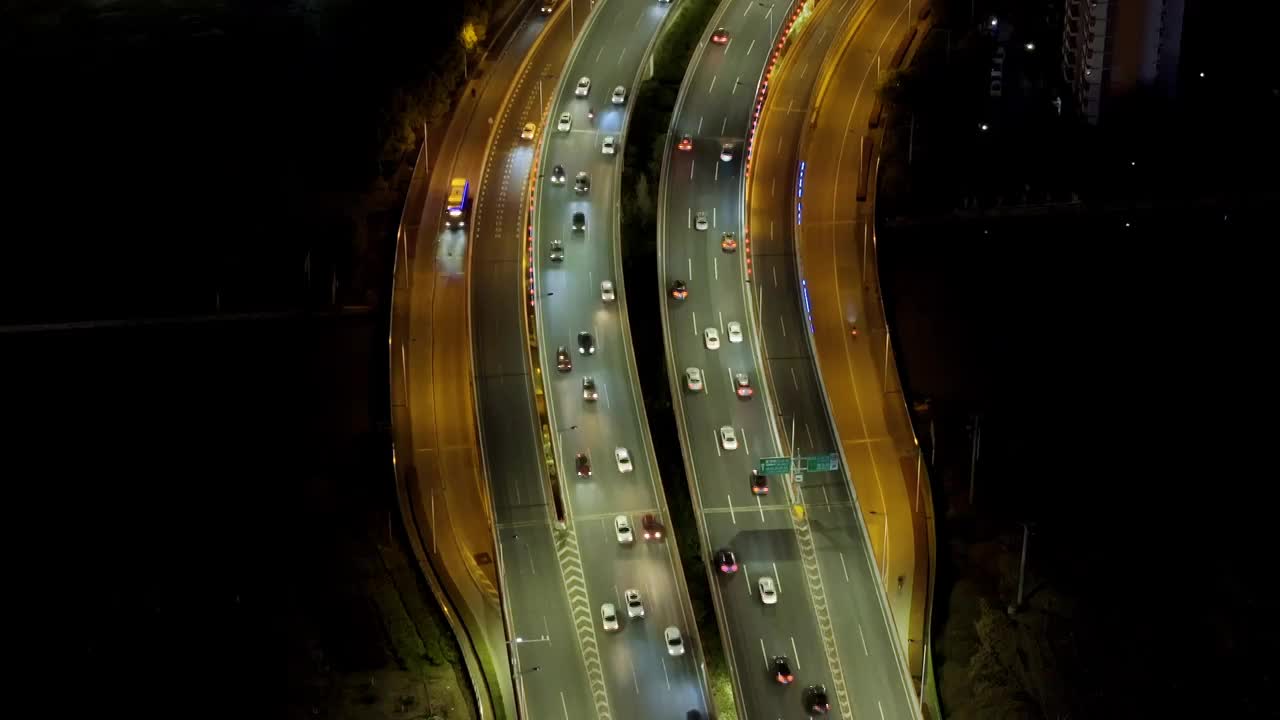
<point>1113,48</point>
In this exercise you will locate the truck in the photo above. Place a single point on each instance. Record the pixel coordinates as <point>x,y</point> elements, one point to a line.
<point>456,207</point>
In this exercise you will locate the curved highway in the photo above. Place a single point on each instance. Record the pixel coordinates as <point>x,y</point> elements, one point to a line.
<point>546,660</point>
<point>829,620</point>
<point>641,677</point>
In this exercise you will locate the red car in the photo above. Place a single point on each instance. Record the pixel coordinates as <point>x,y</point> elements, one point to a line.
<point>679,290</point>
<point>743,385</point>
<point>720,36</point>
<point>583,464</point>
<point>728,242</point>
<point>686,143</point>
<point>652,527</point>
<point>727,561</point>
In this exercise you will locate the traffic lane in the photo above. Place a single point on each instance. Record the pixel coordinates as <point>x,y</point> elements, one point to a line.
<point>533,572</point>
<point>877,686</point>
<point>635,657</point>
<point>789,628</point>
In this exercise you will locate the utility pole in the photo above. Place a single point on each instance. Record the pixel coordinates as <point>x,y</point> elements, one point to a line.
<point>1022,569</point>
<point>973,453</point>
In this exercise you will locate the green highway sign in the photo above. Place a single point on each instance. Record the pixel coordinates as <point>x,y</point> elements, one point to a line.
<point>822,463</point>
<point>774,466</point>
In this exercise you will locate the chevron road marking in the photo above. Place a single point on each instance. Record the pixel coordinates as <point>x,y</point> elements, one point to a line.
<point>575,585</point>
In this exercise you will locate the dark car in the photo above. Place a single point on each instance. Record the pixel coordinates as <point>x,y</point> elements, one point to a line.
<point>726,561</point>
<point>815,699</point>
<point>653,528</point>
<point>782,670</point>
<point>679,290</point>
<point>583,463</point>
<point>759,483</point>
<point>589,389</point>
<point>586,344</point>
<point>728,242</point>
<point>557,251</point>
<point>564,363</point>
<point>579,221</point>
<point>582,182</point>
<point>557,175</point>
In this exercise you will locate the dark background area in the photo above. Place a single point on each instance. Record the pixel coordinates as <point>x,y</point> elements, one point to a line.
<point>1099,297</point>
<point>191,500</point>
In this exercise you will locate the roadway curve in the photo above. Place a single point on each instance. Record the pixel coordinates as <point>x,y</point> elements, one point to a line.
<point>836,252</point>
<point>545,658</point>
<point>822,558</point>
<point>640,679</point>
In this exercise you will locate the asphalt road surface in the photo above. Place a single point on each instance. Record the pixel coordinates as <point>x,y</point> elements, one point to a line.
<point>828,620</point>
<point>640,678</point>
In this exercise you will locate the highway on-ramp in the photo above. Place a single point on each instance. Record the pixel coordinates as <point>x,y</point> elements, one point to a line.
<point>829,620</point>
<point>641,678</point>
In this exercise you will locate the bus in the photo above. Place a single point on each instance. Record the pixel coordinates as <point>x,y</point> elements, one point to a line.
<point>456,207</point>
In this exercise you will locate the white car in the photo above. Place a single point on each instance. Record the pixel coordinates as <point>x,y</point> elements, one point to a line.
<point>622,526</point>
<point>566,121</point>
<point>584,87</point>
<point>529,131</point>
<point>693,379</point>
<point>726,152</point>
<point>675,643</point>
<point>735,332</point>
<point>606,291</point>
<point>609,617</point>
<point>635,608</point>
<point>768,591</point>
<point>623,458</point>
<point>728,438</point>
<point>711,338</point>
<point>619,96</point>
<point>607,146</point>
<point>700,221</point>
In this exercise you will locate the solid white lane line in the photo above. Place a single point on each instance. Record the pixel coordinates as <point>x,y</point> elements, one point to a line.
<point>782,323</point>
<point>689,214</point>
<point>806,434</point>
<point>794,382</point>
<point>634,679</point>
<point>706,386</point>
<point>713,84</point>
<point>713,215</point>
<point>700,119</point>
<point>717,434</point>
<point>721,314</point>
<point>694,315</point>
<point>745,444</point>
<point>715,265</point>
<point>777,578</point>
<point>690,270</point>
<point>773,187</point>
<point>774,268</point>
<point>624,52</point>
<point>746,574</point>
<point>844,568</point>
<point>760,507</point>
<point>717,173</point>
<point>795,654</point>
<point>765,654</point>
<point>881,709</point>
<point>723,123</point>
<point>691,163</point>
<point>732,515</point>
<point>664,673</point>
<point>864,641</point>
<point>804,70</point>
<point>753,44</point>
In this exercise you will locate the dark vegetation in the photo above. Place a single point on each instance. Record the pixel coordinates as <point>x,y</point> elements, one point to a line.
<point>646,136</point>
<point>204,509</point>
<point>194,156</point>
<point>1092,294</point>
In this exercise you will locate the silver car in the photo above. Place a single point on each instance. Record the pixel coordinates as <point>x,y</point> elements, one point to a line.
<point>584,87</point>
<point>693,379</point>
<point>619,96</point>
<point>622,527</point>
<point>700,221</point>
<point>609,617</point>
<point>635,607</point>
<point>675,643</point>
<point>566,122</point>
<point>728,438</point>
